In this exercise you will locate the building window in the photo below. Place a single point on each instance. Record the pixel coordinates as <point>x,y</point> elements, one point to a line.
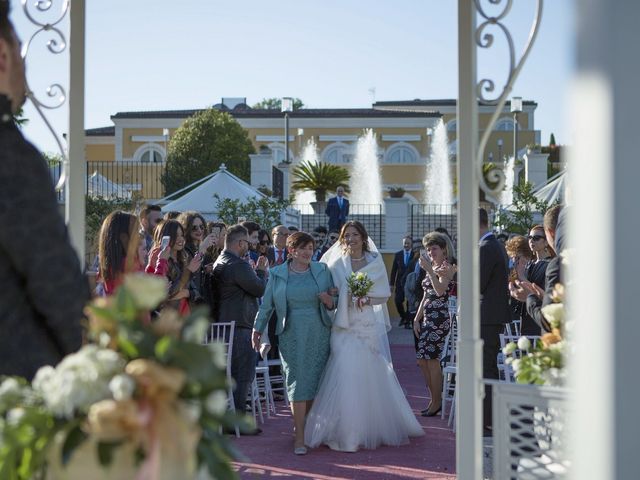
<point>150,153</point>
<point>504,125</point>
<point>338,153</point>
<point>401,153</point>
<point>452,125</point>
<point>277,153</point>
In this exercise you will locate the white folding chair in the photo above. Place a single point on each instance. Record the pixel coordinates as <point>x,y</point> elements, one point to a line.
<point>450,369</point>
<point>256,402</point>
<point>222,332</point>
<point>277,383</point>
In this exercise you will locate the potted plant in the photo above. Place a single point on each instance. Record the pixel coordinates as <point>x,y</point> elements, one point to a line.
<point>396,191</point>
<point>319,178</point>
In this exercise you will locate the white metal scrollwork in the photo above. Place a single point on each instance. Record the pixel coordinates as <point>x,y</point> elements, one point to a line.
<point>57,44</point>
<point>484,39</point>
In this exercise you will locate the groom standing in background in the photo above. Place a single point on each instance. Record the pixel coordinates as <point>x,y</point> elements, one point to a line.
<point>337,210</point>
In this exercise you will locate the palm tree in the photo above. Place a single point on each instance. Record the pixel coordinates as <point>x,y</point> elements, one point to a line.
<point>320,178</point>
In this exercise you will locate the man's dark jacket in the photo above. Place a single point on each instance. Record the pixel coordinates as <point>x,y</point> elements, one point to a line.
<point>494,282</point>
<point>42,289</point>
<point>337,216</point>
<point>236,290</point>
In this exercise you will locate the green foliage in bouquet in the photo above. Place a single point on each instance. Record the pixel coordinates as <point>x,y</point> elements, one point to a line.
<point>359,284</point>
<point>151,387</point>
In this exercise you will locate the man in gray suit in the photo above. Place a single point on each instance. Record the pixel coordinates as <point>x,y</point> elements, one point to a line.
<point>43,289</point>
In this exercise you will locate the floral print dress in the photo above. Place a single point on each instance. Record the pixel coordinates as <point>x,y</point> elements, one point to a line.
<point>436,322</point>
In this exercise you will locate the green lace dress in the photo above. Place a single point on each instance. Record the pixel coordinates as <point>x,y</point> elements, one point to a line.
<point>304,343</point>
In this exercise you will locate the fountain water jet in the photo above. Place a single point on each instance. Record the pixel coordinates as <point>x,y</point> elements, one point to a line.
<point>506,196</point>
<point>366,187</point>
<point>310,155</point>
<point>438,187</point>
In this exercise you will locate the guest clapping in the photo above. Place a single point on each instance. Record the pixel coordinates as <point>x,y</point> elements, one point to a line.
<point>432,321</point>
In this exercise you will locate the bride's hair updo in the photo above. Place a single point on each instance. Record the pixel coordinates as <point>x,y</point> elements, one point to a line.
<point>361,230</point>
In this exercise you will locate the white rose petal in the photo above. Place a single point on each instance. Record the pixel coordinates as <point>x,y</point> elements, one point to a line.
<point>554,313</point>
<point>509,348</point>
<point>516,364</point>
<point>10,387</point>
<point>122,387</point>
<point>15,415</point>
<point>147,290</point>
<point>524,343</point>
<point>218,354</point>
<point>191,410</point>
<point>197,331</point>
<point>216,403</point>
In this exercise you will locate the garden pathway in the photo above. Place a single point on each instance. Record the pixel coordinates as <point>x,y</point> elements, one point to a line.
<point>430,457</point>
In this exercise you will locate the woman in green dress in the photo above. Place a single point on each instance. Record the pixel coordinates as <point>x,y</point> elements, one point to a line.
<point>300,292</point>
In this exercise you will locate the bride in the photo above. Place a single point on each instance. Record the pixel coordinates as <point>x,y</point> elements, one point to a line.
<point>359,403</point>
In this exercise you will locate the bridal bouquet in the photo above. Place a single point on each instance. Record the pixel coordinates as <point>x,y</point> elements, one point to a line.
<point>359,285</point>
<point>144,400</point>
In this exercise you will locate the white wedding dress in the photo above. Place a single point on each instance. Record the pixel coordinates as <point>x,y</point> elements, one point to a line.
<point>360,403</point>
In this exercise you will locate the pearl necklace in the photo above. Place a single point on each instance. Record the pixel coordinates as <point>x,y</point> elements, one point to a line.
<point>357,259</point>
<point>297,271</point>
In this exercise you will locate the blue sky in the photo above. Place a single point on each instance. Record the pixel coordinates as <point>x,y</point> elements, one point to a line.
<point>160,54</point>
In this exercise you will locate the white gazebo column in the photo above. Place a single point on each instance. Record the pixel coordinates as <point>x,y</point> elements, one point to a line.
<point>604,172</point>
<point>77,176</point>
<point>396,213</point>
<point>535,168</point>
<point>469,387</point>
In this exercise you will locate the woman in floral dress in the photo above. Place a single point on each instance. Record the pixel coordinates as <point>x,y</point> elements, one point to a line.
<point>432,322</point>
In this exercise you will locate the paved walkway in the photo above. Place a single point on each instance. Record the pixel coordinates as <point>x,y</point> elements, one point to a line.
<point>430,457</point>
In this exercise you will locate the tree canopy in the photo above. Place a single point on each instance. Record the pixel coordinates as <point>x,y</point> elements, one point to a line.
<point>320,178</point>
<point>204,142</point>
<point>276,104</point>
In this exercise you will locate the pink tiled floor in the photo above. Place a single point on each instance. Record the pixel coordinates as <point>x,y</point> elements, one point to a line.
<point>429,457</point>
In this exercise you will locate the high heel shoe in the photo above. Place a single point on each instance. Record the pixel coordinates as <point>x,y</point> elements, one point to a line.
<point>300,450</point>
<point>432,414</point>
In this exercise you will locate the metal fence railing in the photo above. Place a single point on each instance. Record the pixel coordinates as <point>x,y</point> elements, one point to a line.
<point>426,218</point>
<point>119,180</point>
<point>370,215</point>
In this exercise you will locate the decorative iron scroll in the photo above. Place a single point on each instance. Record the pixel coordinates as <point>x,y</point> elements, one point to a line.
<point>57,44</point>
<point>484,39</point>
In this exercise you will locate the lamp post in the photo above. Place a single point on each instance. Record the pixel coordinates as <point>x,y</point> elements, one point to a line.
<point>286,108</point>
<point>516,108</point>
<point>500,144</point>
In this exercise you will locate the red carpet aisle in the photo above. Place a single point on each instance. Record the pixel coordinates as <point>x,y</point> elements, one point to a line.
<point>429,457</point>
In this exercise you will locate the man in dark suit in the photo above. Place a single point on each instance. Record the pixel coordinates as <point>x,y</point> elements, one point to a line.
<point>278,253</point>
<point>43,289</point>
<point>401,261</point>
<point>337,210</point>
<point>494,305</point>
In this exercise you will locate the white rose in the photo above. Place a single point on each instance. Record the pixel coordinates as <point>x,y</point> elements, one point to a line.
<point>218,354</point>
<point>524,343</point>
<point>44,375</point>
<point>509,348</point>
<point>516,365</point>
<point>122,387</point>
<point>196,332</point>
<point>10,387</point>
<point>216,403</point>
<point>554,313</point>
<point>15,415</point>
<point>147,290</point>
<point>191,410</point>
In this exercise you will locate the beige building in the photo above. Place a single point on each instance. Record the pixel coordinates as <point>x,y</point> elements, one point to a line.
<point>132,151</point>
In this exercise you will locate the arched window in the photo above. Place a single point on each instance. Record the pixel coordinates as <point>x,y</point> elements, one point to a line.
<point>452,125</point>
<point>504,125</point>
<point>150,153</point>
<point>337,153</point>
<point>277,152</point>
<point>401,153</point>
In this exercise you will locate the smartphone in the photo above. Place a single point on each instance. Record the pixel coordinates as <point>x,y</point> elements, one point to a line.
<point>423,253</point>
<point>165,242</point>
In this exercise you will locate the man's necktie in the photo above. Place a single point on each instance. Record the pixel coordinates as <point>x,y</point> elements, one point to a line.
<point>406,258</point>
<point>280,258</point>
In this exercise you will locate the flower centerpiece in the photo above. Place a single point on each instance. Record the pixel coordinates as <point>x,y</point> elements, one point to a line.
<point>542,362</point>
<point>359,285</point>
<point>144,400</point>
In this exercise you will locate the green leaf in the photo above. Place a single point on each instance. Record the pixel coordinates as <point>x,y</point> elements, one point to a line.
<point>74,439</point>
<point>163,347</point>
<point>106,452</point>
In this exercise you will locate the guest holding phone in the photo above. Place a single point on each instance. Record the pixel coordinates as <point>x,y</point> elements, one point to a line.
<point>197,242</point>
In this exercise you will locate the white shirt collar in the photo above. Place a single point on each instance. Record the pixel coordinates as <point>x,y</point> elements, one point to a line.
<point>485,236</point>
